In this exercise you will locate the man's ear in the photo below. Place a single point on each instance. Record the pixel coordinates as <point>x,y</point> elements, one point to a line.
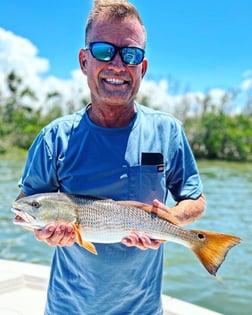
<point>144,67</point>
<point>83,60</point>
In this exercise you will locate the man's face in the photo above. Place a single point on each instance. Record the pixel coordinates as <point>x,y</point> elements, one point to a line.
<point>114,82</point>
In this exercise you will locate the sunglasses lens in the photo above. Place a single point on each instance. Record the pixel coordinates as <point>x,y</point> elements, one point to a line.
<point>102,51</point>
<point>106,52</point>
<point>132,55</point>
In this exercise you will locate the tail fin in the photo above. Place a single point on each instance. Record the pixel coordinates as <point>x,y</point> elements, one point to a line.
<point>212,248</point>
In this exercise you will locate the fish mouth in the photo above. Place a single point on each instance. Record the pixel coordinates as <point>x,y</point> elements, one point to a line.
<point>22,217</point>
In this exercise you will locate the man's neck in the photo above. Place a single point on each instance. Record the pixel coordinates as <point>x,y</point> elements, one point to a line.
<point>111,116</point>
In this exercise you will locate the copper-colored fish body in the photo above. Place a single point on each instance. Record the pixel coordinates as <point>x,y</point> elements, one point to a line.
<point>98,220</point>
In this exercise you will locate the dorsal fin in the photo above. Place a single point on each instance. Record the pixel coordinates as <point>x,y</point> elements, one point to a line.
<point>150,209</point>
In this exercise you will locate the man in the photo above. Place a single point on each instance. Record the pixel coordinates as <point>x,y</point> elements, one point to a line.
<point>118,149</point>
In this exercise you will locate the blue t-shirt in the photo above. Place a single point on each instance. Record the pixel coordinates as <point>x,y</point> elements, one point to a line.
<point>141,161</point>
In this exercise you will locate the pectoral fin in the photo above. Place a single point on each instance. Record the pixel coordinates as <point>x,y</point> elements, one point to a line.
<point>150,209</point>
<point>87,245</point>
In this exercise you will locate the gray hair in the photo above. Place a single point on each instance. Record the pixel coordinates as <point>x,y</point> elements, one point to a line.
<point>118,9</point>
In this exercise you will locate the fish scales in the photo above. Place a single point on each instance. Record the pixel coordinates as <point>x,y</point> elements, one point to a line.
<point>109,221</point>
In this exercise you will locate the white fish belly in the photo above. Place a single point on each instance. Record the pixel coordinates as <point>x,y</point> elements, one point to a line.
<point>103,235</point>
<point>114,235</point>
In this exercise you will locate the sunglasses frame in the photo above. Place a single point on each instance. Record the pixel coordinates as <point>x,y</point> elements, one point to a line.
<point>116,49</point>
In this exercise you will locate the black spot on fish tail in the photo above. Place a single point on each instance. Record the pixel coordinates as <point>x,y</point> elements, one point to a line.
<point>201,236</point>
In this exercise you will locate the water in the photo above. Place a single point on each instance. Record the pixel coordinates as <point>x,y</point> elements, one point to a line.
<point>228,188</point>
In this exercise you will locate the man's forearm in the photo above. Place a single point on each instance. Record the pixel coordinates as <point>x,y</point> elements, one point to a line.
<point>189,210</point>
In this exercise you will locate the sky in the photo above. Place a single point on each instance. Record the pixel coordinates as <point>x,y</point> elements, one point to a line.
<point>192,45</point>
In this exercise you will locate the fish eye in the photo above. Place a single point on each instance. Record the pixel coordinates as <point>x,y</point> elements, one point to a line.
<point>35,204</point>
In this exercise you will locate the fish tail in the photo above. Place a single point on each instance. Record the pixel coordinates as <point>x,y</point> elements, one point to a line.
<point>212,248</point>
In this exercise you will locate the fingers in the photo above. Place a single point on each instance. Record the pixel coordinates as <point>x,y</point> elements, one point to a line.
<point>142,241</point>
<point>162,211</point>
<point>159,207</point>
<point>57,234</point>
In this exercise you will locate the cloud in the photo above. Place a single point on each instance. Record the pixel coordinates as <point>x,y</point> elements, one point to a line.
<point>159,97</point>
<point>217,95</point>
<point>246,85</point>
<point>156,93</point>
<point>247,73</point>
<point>21,56</point>
<point>72,91</point>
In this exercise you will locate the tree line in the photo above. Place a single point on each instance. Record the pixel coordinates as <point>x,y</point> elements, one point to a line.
<point>214,132</point>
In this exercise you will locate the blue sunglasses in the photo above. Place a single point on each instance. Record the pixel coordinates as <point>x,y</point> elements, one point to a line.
<point>104,51</point>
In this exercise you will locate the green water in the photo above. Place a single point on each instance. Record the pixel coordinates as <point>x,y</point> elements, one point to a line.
<point>228,188</point>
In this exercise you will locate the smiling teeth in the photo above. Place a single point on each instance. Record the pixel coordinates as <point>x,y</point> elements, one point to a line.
<point>115,81</point>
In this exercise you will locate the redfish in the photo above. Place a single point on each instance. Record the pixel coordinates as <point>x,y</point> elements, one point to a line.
<point>98,220</point>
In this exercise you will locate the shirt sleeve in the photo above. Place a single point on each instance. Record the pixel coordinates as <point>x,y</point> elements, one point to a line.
<point>183,180</point>
<point>40,168</point>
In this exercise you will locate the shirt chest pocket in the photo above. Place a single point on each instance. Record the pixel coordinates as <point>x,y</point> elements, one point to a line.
<point>146,182</point>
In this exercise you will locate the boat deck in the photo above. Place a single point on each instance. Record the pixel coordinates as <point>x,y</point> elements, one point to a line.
<point>23,292</point>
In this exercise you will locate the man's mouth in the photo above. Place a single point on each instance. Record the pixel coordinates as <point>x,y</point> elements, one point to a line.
<point>115,81</point>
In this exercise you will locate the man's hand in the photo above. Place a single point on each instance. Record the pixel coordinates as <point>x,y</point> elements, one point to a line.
<point>143,241</point>
<point>56,234</point>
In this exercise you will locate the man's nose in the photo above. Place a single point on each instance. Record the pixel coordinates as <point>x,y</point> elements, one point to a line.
<point>117,62</point>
